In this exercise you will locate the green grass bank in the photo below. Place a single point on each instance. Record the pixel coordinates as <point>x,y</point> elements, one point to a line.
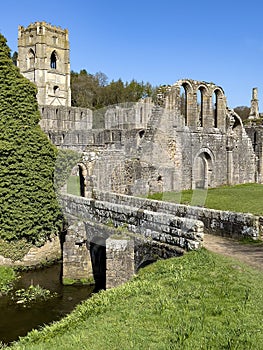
<point>246,198</point>
<point>198,301</point>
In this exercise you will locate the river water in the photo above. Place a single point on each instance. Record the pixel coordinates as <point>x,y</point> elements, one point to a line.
<point>17,320</point>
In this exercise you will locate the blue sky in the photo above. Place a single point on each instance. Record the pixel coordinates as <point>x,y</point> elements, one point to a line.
<point>156,41</point>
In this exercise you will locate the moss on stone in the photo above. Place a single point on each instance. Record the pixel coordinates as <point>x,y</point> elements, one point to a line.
<point>81,281</point>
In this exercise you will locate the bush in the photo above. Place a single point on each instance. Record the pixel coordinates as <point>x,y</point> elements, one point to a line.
<point>28,202</point>
<point>7,278</point>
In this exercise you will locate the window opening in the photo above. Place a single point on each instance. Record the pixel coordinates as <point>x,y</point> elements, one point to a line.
<point>53,60</point>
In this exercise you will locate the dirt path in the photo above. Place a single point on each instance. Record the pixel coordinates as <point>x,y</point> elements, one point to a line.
<point>252,254</point>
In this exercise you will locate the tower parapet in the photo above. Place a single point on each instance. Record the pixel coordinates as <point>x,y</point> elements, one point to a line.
<point>43,58</point>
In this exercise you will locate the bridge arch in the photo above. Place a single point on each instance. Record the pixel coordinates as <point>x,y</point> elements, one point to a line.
<point>97,248</point>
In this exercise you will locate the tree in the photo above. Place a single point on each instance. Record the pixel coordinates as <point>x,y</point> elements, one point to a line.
<point>94,91</point>
<point>28,203</point>
<point>242,111</point>
<point>14,58</point>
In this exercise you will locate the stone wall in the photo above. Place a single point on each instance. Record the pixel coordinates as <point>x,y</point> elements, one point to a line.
<point>159,226</point>
<point>77,266</point>
<point>218,222</point>
<point>120,261</point>
<point>169,156</point>
<point>108,255</point>
<point>255,133</point>
<point>65,119</point>
<point>143,148</point>
<point>130,115</point>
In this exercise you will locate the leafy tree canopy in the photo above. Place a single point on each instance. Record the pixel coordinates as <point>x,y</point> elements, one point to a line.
<point>242,111</point>
<point>95,92</point>
<point>28,204</point>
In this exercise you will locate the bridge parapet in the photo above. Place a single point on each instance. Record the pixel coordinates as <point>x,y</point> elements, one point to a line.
<point>109,241</point>
<point>156,228</point>
<point>217,222</point>
<point>167,228</point>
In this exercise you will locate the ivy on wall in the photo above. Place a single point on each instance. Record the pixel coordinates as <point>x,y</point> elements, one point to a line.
<point>28,203</point>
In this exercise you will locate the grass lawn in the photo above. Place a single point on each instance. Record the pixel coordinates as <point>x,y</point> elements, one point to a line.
<point>73,185</point>
<point>198,301</point>
<point>247,198</point>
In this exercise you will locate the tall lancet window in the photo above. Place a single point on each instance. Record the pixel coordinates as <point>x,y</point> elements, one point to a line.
<point>53,60</point>
<point>31,59</point>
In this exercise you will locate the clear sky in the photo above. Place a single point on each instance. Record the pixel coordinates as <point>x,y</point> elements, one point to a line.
<point>156,41</point>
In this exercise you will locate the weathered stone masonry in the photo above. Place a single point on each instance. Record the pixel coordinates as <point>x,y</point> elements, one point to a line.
<point>155,228</point>
<point>43,58</point>
<point>164,227</point>
<point>150,233</point>
<point>218,222</point>
<point>188,139</point>
<point>175,151</point>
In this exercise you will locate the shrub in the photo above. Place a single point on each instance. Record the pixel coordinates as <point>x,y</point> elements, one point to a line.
<point>28,202</point>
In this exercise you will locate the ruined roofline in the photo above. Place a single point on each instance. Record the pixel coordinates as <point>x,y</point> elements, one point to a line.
<point>55,29</point>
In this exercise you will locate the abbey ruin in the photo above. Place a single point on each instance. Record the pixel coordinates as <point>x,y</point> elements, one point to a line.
<point>189,139</point>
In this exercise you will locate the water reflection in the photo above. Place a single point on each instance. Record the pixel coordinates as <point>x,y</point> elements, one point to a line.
<point>17,321</point>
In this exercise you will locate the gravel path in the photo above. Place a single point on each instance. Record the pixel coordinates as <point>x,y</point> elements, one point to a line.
<point>252,254</point>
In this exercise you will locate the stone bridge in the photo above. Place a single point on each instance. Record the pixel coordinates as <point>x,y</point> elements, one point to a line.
<point>108,242</point>
<point>110,236</point>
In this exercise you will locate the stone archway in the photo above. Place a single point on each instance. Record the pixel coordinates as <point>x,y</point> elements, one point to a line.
<point>83,172</point>
<point>98,261</point>
<point>202,171</point>
<point>81,182</point>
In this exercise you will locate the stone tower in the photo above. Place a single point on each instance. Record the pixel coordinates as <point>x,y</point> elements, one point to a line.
<point>254,114</point>
<point>43,58</point>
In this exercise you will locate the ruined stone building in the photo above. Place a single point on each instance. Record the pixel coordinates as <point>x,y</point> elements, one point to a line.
<point>189,139</point>
<point>43,58</point>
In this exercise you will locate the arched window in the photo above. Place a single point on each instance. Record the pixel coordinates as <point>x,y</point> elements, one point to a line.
<point>183,103</point>
<point>215,108</point>
<point>56,90</point>
<point>200,106</point>
<point>53,60</point>
<point>255,141</point>
<point>31,59</point>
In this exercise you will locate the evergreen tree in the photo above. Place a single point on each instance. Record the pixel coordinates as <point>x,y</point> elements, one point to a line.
<point>28,203</point>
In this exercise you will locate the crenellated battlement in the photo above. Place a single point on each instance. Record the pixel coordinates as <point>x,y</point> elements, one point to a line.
<point>42,24</point>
